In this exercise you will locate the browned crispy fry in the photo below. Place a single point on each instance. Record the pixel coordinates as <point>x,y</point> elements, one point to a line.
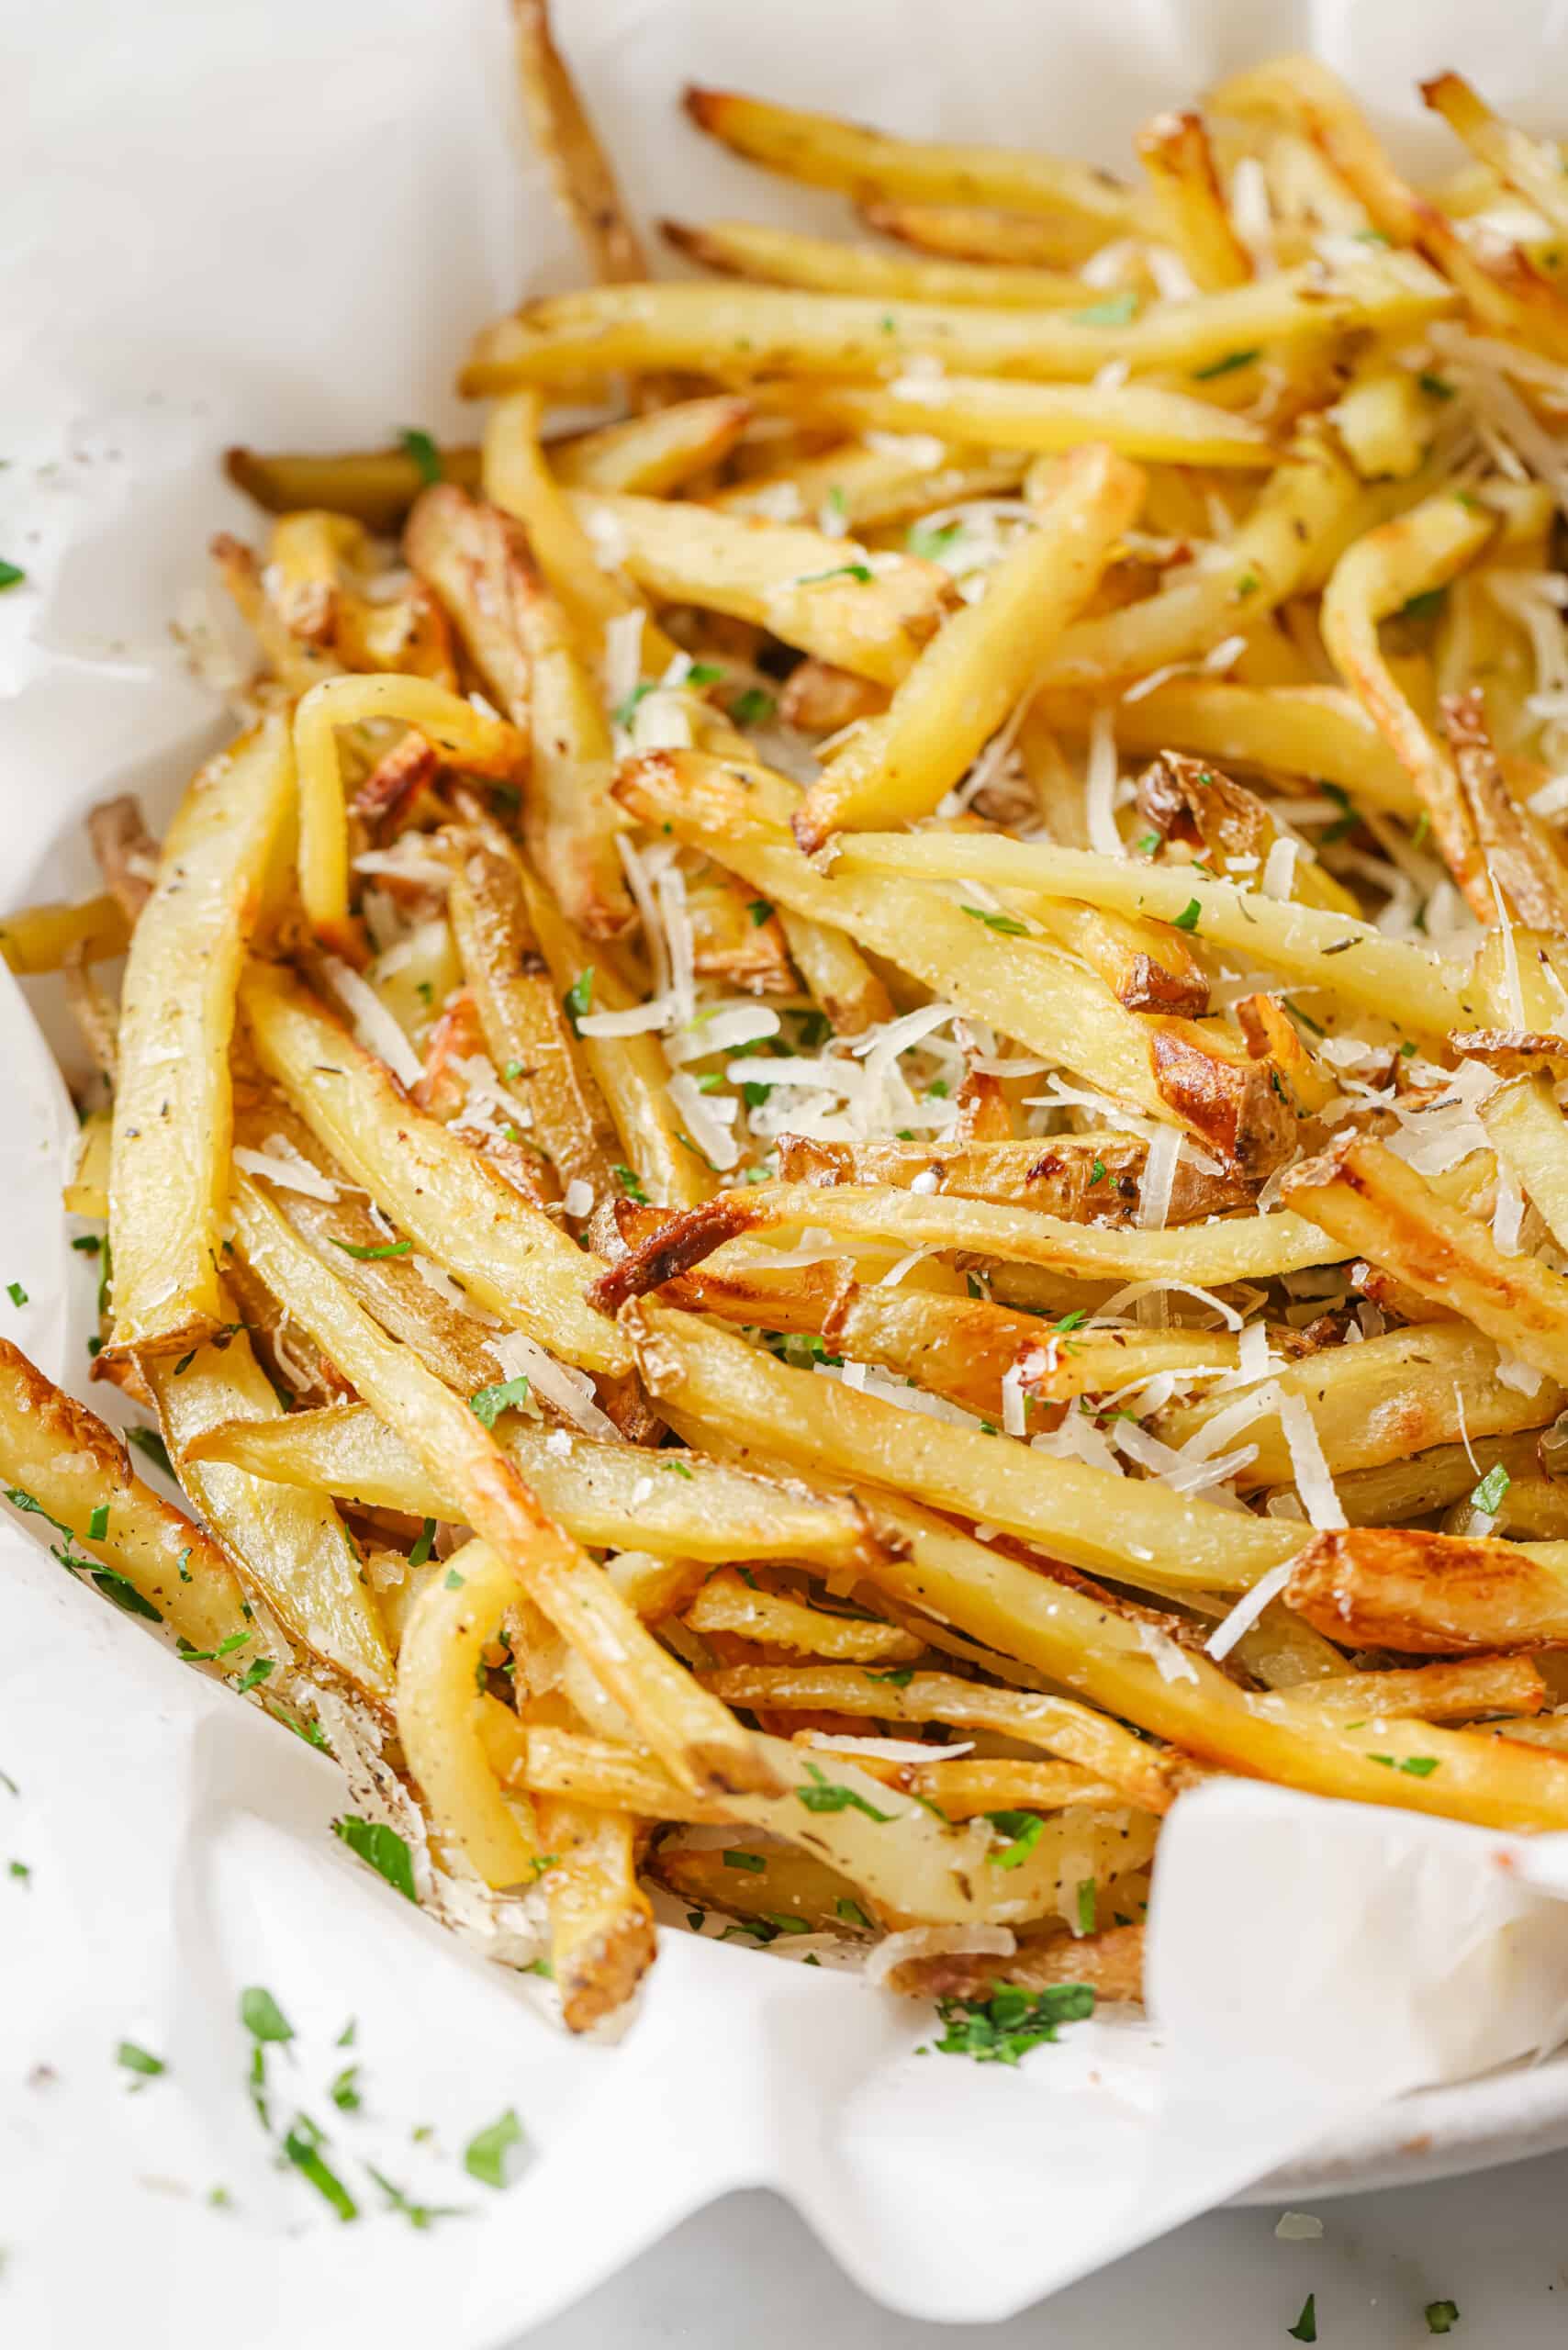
<point>725,1603</point>
<point>377,487</point>
<point>970,233</point>
<point>652,454</point>
<point>1111,1962</point>
<point>1399,1587</point>
<point>1521,857</point>
<point>1513,1052</point>
<point>1452,1692</point>
<point>396,780</point>
<point>1175,152</point>
<point>820,700</point>
<point>475,559</point>
<point>584,178</point>
<point>601,1923</point>
<point>1056,1173</point>
<point>37,938</point>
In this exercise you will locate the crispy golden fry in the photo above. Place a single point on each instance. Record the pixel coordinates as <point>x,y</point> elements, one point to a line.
<point>1174,1069</point>
<point>1146,968</point>
<point>294,663</point>
<point>1384,976</point>
<point>1384,421</point>
<point>1525,1127</point>
<point>630,1070</point>
<point>971,232</point>
<point>583,179</point>
<point>441,1708</point>
<point>835,973</point>
<point>1144,1534</point>
<point>476,560</point>
<point>1379,1402</point>
<point>738,333</point>
<point>897,767</point>
<point>1432,1692</point>
<point>1188,802</point>
<point>808,589</point>
<point>1533,166</point>
<point>172,1105</point>
<point>725,1603</point>
<point>677,1505</point>
<point>1373,1202</point>
<point>477,741</point>
<point>1057,1174</point>
<point>1255,1247</point>
<point>57,1458</point>
<point>520,1011</point>
<point>827,153</point>
<point>1147,1775</point>
<point>648,456</point>
<point>517,480</point>
<point>1188,203</point>
<point>1428,1481</point>
<point>1431,1593</point>
<point>828,265</point>
<point>601,1922</point>
<point>37,939</point>
<point>866,487</point>
<point>377,487</point>
<point>509,1257</point>
<point>1520,858</point>
<point>1109,1659</point>
<point>967,1788</point>
<point>1111,1962</point>
<point>697,1738</point>
<point>288,1541</point>
<point>86,1192</point>
<point>1317,730</point>
<point>771,1892</point>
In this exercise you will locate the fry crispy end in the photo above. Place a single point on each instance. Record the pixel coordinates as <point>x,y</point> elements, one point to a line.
<point>1428,1594</point>
<point>669,1253</point>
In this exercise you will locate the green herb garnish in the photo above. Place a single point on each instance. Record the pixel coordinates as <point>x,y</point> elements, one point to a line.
<point>384,1849</point>
<point>490,1402</point>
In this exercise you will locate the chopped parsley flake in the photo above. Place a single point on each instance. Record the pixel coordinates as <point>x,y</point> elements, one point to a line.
<point>422,1548</point>
<point>578,1001</point>
<point>485,2156</point>
<point>751,1860</point>
<point>423,450</point>
<point>1442,2316</point>
<point>1415,1766</point>
<point>1225,366</point>
<point>853,1915</point>
<point>383,1847</point>
<point>302,2147</point>
<point>1006,923</point>
<point>1488,1494</point>
<point>253,1676</point>
<point>262,2016</point>
<point>1188,918</point>
<point>1306,2327</point>
<point>754,708</point>
<point>932,541</point>
<point>16,1292</point>
<point>490,1402</point>
<point>630,1185</point>
<point>149,1441</point>
<point>138,2060</point>
<point>1425,606</point>
<point>1001,2030</point>
<point>368,1254</point>
<point>760,912</point>
<point>1435,386</point>
<point>1088,1906</point>
<point>824,1795</point>
<point>1024,1830</point>
<point>1116,312</point>
<point>98,1524</point>
<point>10,574</point>
<point>344,2091</point>
<point>859,571</point>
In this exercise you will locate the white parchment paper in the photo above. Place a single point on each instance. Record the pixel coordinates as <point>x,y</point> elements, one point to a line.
<point>279,223</point>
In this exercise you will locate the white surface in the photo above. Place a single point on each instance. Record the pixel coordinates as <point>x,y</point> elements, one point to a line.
<point>280,221</point>
<point>747,2276</point>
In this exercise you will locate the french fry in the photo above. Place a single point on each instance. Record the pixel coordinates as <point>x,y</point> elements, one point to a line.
<point>1318,731</point>
<point>1177,1071</point>
<point>738,333</point>
<point>813,591</point>
<point>441,1703</point>
<point>375,486</point>
<point>581,171</point>
<point>972,233</point>
<point>1525,1126</point>
<point>295,665</point>
<point>1374,1203</point>
<point>827,153</point>
<point>58,1458</point>
<point>172,1105</point>
<point>1144,1534</point>
<point>1174,150</point>
<point>86,1192</point>
<point>520,1011</point>
<point>1188,802</point>
<point>677,1504</point>
<point>126,851</point>
<point>288,1540</point>
<point>630,1070</point>
<point>725,1603</point>
<point>1382,1401</point>
<point>1108,1660</point>
<point>1402,983</point>
<point>1057,1174</point>
<point>827,266</point>
<point>1384,421</point>
<point>1520,857</point>
<point>1455,1690</point>
<point>770,1892</point>
<point>476,560</point>
<point>898,766</point>
<point>511,1258</point>
<point>1432,1594</point>
<point>36,939</point>
<point>601,1922</point>
<point>1532,166</point>
<point>868,488</point>
<point>835,973</point>
<point>1111,1962</point>
<point>478,743</point>
<point>649,456</point>
<point>697,1737</point>
<point>1429,1480</point>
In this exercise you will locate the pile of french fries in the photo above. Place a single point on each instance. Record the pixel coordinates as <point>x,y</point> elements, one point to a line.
<point>836,1149</point>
